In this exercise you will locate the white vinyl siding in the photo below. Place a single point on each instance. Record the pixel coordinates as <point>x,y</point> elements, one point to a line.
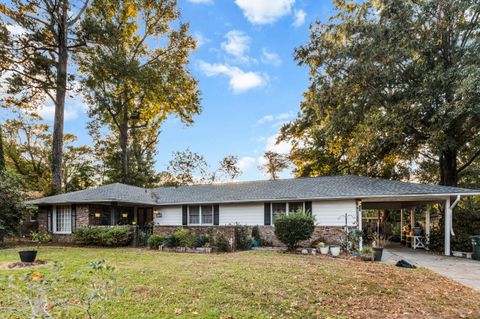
<point>327,213</point>
<point>244,214</point>
<point>171,216</point>
<point>332,213</point>
<point>62,220</point>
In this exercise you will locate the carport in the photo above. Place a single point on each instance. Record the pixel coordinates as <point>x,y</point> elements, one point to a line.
<point>405,204</point>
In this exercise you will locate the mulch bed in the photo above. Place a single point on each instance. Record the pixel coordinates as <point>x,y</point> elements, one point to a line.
<point>20,264</point>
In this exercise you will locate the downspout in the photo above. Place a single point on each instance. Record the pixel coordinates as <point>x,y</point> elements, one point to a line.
<point>451,216</point>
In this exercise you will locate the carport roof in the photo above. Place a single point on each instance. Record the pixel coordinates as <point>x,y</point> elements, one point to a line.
<point>309,188</point>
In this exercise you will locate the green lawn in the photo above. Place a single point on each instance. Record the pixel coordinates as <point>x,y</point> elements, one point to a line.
<point>261,285</point>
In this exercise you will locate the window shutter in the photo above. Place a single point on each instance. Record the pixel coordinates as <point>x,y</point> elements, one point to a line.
<point>49,219</point>
<point>308,208</point>
<point>267,214</point>
<point>74,217</point>
<point>184,215</point>
<point>216,214</point>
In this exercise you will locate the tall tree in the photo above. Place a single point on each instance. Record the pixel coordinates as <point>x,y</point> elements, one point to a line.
<point>188,168</point>
<point>136,75</point>
<point>36,52</point>
<point>228,167</point>
<point>390,80</point>
<point>274,164</point>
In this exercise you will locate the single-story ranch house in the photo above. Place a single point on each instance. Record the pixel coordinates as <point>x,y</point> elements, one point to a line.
<point>333,200</point>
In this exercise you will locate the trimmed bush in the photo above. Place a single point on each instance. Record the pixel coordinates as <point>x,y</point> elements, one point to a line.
<point>155,241</point>
<point>292,228</point>
<point>103,236</point>
<point>183,238</point>
<point>241,237</point>
<point>222,243</point>
<point>170,241</point>
<point>256,233</point>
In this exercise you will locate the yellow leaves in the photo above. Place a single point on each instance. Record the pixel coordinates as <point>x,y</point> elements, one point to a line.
<point>36,276</point>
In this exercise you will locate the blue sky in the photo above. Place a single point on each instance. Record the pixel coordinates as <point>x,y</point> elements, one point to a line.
<point>249,81</point>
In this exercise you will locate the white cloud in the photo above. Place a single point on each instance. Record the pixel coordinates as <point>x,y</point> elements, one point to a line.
<point>201,1</point>
<point>281,148</point>
<point>200,38</point>
<point>74,106</point>
<point>280,118</point>
<point>237,44</point>
<point>246,162</point>
<point>240,81</point>
<point>265,11</point>
<point>15,29</point>
<point>299,18</point>
<point>270,58</point>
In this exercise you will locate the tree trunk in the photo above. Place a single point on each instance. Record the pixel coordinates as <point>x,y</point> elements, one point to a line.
<point>124,146</point>
<point>61,90</point>
<point>448,168</point>
<point>2,156</point>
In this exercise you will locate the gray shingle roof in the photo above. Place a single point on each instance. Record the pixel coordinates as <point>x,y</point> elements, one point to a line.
<point>325,187</point>
<point>108,193</point>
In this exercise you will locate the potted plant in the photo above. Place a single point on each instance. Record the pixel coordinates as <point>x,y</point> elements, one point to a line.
<point>367,253</point>
<point>335,250</point>
<point>323,248</point>
<point>29,256</point>
<point>256,236</point>
<point>378,245</point>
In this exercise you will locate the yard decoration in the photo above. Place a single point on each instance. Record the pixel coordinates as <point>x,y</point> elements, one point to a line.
<point>29,256</point>
<point>335,250</point>
<point>367,253</point>
<point>378,245</point>
<point>323,248</point>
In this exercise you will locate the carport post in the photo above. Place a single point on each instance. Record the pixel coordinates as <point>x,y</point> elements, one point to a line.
<point>359,223</point>
<point>427,223</point>
<point>448,226</point>
<point>401,225</point>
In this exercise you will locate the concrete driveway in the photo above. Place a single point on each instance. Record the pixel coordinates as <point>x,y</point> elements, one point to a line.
<point>464,271</point>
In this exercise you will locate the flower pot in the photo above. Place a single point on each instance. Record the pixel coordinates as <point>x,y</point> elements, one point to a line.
<point>314,252</point>
<point>28,256</point>
<point>378,252</point>
<point>335,251</point>
<point>248,246</point>
<point>256,243</point>
<point>324,250</point>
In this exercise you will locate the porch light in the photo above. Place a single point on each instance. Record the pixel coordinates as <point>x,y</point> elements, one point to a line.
<point>134,222</point>
<point>97,215</point>
<point>124,215</point>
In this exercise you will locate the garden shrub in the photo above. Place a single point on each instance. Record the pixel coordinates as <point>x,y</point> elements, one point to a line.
<point>241,237</point>
<point>292,228</point>
<point>200,241</point>
<point>170,241</point>
<point>183,238</point>
<point>222,243</point>
<point>256,233</point>
<point>155,241</point>
<point>103,236</point>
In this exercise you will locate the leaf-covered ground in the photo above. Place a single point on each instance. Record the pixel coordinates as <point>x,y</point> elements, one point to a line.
<point>262,285</point>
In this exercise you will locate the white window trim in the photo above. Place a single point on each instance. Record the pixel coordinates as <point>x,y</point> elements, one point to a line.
<point>286,207</point>
<point>200,216</point>
<point>54,221</point>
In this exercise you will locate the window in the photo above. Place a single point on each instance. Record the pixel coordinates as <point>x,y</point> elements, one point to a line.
<point>194,215</point>
<point>200,215</point>
<point>295,206</point>
<point>207,214</point>
<point>278,209</point>
<point>62,220</point>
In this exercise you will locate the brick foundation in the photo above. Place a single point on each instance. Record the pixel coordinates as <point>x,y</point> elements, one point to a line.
<point>330,235</point>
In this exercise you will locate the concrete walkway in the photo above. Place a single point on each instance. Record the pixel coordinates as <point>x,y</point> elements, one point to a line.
<point>462,270</point>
